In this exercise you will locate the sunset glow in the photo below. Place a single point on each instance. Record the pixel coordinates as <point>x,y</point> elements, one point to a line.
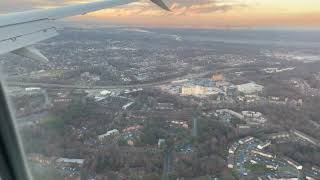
<point>202,13</point>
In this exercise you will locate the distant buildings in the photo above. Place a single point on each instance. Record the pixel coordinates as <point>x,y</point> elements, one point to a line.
<point>87,76</point>
<point>165,106</point>
<point>246,140</point>
<point>60,162</point>
<point>250,88</point>
<point>233,148</point>
<point>29,89</point>
<point>276,70</point>
<point>305,137</point>
<point>231,161</point>
<point>264,145</point>
<point>161,142</point>
<point>282,176</point>
<point>199,91</point>
<point>243,128</point>
<point>248,98</point>
<point>181,124</point>
<point>194,90</point>
<point>228,111</point>
<point>127,105</point>
<point>199,87</point>
<point>132,128</point>
<point>262,153</point>
<point>217,77</point>
<point>231,90</point>
<point>105,92</point>
<point>252,117</point>
<point>39,158</point>
<point>109,133</point>
<point>66,162</point>
<point>279,137</point>
<point>293,163</point>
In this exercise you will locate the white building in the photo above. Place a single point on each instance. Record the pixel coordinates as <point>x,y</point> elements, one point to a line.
<point>33,89</point>
<point>252,117</point>
<point>251,114</point>
<point>70,161</point>
<point>233,148</point>
<point>231,161</point>
<point>262,153</point>
<point>161,142</point>
<point>293,163</point>
<point>264,145</point>
<point>105,92</point>
<point>305,137</point>
<point>246,140</point>
<point>109,133</point>
<point>250,88</point>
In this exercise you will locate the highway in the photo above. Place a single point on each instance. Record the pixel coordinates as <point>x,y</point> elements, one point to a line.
<point>71,86</point>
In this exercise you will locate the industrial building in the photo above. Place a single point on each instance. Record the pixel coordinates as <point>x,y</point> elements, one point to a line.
<point>233,148</point>
<point>70,162</point>
<point>231,161</point>
<point>293,163</point>
<point>264,145</point>
<point>194,90</point>
<point>197,90</point>
<point>252,117</point>
<point>305,137</point>
<point>109,133</point>
<point>246,140</point>
<point>250,88</point>
<point>262,153</point>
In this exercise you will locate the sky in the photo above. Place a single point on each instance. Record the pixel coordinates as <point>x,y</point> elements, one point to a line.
<point>194,13</point>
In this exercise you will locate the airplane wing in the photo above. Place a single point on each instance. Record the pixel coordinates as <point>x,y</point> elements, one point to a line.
<point>19,31</point>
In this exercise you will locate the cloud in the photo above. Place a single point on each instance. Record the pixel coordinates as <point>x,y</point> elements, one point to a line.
<point>143,7</point>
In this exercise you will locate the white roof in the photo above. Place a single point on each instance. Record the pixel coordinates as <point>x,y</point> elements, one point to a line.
<point>105,92</point>
<point>250,85</point>
<point>108,133</point>
<point>67,160</point>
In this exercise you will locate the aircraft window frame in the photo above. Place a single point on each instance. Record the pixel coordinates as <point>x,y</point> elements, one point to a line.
<point>12,161</point>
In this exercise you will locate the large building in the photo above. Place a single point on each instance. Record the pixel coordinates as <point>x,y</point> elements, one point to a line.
<point>305,137</point>
<point>217,77</point>
<point>199,90</point>
<point>250,88</point>
<point>252,117</point>
<point>194,90</point>
<point>109,133</point>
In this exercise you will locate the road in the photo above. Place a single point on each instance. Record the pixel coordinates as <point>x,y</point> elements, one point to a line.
<point>70,86</point>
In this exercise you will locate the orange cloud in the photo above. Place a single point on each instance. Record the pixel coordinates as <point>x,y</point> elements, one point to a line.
<point>201,13</point>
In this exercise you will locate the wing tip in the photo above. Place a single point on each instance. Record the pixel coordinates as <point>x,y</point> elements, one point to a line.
<point>161,4</point>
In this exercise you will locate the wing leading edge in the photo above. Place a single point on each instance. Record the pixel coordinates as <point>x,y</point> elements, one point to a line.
<point>19,31</point>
